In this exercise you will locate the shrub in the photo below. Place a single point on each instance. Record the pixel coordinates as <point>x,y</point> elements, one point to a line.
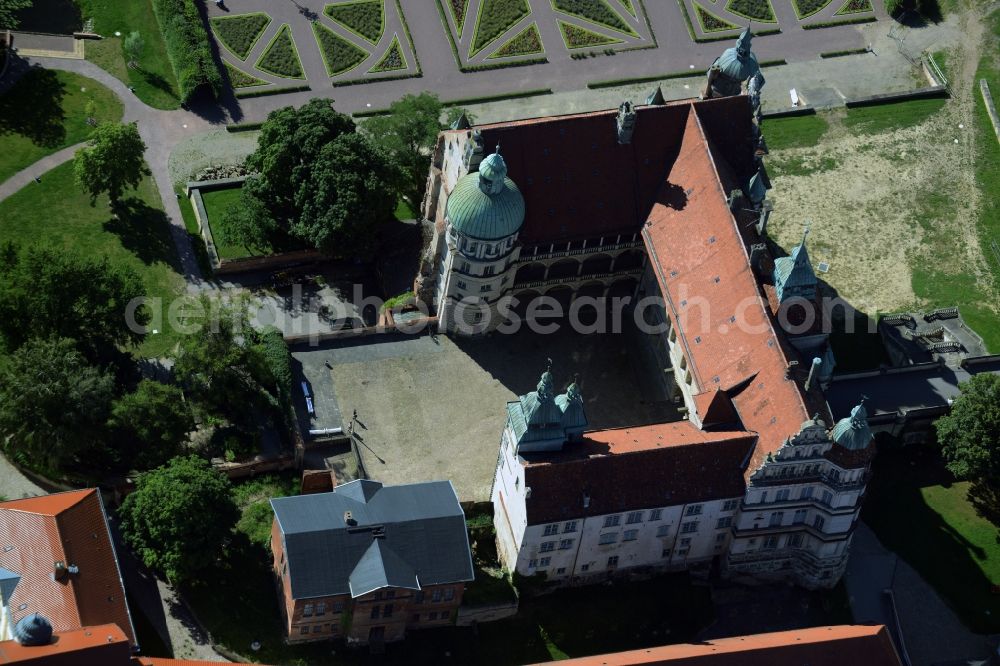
<point>855,7</point>
<point>495,18</point>
<point>240,79</point>
<point>239,33</point>
<point>577,37</point>
<point>806,8</point>
<point>526,42</point>
<point>459,8</point>
<point>365,18</point>
<point>758,10</point>
<point>712,23</point>
<point>597,11</point>
<point>187,47</point>
<point>894,7</point>
<point>339,55</point>
<point>392,60</point>
<point>279,361</point>
<point>280,58</point>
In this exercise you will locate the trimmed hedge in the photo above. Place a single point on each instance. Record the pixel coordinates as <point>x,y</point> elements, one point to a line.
<point>837,54</point>
<point>833,24</point>
<point>855,7</point>
<point>757,10</point>
<point>806,8</point>
<point>575,37</point>
<point>712,23</point>
<point>612,83</point>
<point>393,59</point>
<point>279,361</point>
<point>527,42</point>
<point>243,127</point>
<point>495,18</point>
<point>262,92</point>
<point>187,47</point>
<point>595,11</point>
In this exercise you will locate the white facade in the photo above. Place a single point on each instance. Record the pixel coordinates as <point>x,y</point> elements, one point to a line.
<point>473,276</point>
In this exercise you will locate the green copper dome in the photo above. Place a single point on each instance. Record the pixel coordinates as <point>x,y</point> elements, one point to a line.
<point>486,205</point>
<point>739,63</point>
<point>853,432</point>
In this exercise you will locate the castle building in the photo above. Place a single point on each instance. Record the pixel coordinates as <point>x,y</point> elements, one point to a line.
<point>664,205</point>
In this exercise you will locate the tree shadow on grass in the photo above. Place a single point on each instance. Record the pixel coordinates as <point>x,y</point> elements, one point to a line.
<point>985,499</point>
<point>33,108</point>
<point>158,82</point>
<point>144,231</point>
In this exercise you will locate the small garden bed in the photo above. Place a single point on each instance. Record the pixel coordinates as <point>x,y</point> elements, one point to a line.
<point>393,60</point>
<point>527,42</point>
<point>806,8</point>
<point>576,37</point>
<point>339,55</point>
<point>459,9</point>
<point>629,7</point>
<point>757,10</point>
<point>240,32</point>
<point>855,7</point>
<point>216,203</point>
<point>240,79</point>
<point>365,18</point>
<point>281,58</point>
<point>710,22</point>
<point>495,18</point>
<point>595,11</point>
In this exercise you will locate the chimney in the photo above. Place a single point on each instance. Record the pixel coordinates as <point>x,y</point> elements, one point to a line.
<point>59,570</point>
<point>765,213</point>
<point>790,370</point>
<point>626,122</point>
<point>812,372</point>
<point>757,253</point>
<point>349,519</point>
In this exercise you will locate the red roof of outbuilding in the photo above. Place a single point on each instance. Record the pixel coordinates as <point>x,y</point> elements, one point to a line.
<point>71,528</point>
<point>869,645</point>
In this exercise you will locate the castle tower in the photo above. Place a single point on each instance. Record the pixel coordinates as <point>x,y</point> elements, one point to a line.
<point>484,214</point>
<point>736,66</point>
<point>794,276</point>
<point>626,122</point>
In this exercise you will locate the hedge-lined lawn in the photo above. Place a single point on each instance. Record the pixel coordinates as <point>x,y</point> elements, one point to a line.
<point>239,33</point>
<point>392,60</point>
<point>365,18</point>
<point>758,10</point>
<point>526,42</point>
<point>56,212</point>
<point>280,57</point>
<point>806,8</point>
<point>45,112</point>
<point>339,55</point>
<point>855,7</point>
<point>596,11</point>
<point>495,18</point>
<point>712,23</point>
<point>154,80</point>
<point>459,9</point>
<point>576,37</point>
<point>240,79</point>
<point>217,202</point>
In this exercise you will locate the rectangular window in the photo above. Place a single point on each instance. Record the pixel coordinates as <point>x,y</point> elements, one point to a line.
<point>566,544</point>
<point>551,529</point>
<point>693,510</point>
<point>663,530</point>
<point>807,492</point>
<point>561,570</point>
<point>532,564</point>
<point>655,514</point>
<point>432,616</point>
<point>418,598</point>
<point>724,522</point>
<point>689,527</point>
<point>608,537</point>
<point>391,594</point>
<point>460,284</point>
<point>338,606</point>
<point>827,498</point>
<point>548,546</point>
<point>473,247</point>
<point>415,618</point>
<point>800,517</point>
<point>665,552</point>
<point>545,561</point>
<point>730,505</point>
<point>634,517</point>
<point>683,552</point>
<point>819,522</point>
<point>585,567</point>
<point>321,608</point>
<point>776,518</point>
<point>570,526</point>
<point>449,593</point>
<point>612,561</point>
<point>488,271</point>
<point>782,495</point>
<point>304,630</point>
<point>436,596</point>
<point>387,610</point>
<point>612,521</point>
<point>375,612</point>
<point>307,610</point>
<point>720,537</point>
<point>630,535</point>
<point>795,541</point>
<point>771,542</point>
<point>686,541</point>
<point>486,287</point>
<point>763,497</point>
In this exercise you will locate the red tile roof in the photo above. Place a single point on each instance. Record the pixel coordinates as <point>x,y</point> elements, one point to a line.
<point>702,263</point>
<point>635,468</point>
<point>69,527</point>
<point>869,645</point>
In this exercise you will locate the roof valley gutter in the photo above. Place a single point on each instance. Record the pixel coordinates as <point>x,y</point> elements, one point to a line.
<point>121,581</point>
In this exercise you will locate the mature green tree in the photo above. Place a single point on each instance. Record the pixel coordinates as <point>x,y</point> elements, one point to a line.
<point>45,292</point>
<point>133,47</point>
<point>111,162</point>
<point>349,193</point>
<point>179,517</point>
<point>224,370</point>
<point>248,222</point>
<point>9,10</point>
<point>151,424</point>
<point>970,434</point>
<point>408,134</point>
<point>53,404</point>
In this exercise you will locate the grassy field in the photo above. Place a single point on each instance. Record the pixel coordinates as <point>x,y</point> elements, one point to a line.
<point>217,202</point>
<point>46,112</point>
<point>153,79</point>
<point>891,117</point>
<point>918,510</point>
<point>55,212</point>
<point>795,131</point>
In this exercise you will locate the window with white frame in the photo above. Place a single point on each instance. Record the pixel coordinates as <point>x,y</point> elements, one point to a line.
<point>566,544</point>
<point>827,498</point>
<point>689,527</point>
<point>693,510</point>
<point>545,561</point>
<point>607,537</point>
<point>532,564</point>
<point>724,522</point>
<point>800,517</point>
<point>612,521</point>
<point>663,530</point>
<point>819,522</point>
<point>570,526</point>
<point>551,529</point>
<point>655,514</point>
<point>686,541</point>
<point>783,495</point>
<point>612,561</point>
<point>795,541</point>
<point>771,542</point>
<point>630,535</point>
<point>634,517</point>
<point>807,492</point>
<point>730,505</point>
<point>547,546</point>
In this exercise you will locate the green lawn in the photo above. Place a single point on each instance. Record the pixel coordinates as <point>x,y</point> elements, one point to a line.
<point>919,511</point>
<point>45,112</point>
<point>240,32</point>
<point>217,202</point>
<point>153,79</point>
<point>403,211</point>
<point>495,18</point>
<point>794,131</point>
<point>281,58</point>
<point>57,213</point>
<point>897,116</point>
<point>339,54</point>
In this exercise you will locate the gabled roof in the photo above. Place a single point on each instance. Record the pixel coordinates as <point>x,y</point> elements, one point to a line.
<point>71,528</point>
<point>401,536</point>
<point>700,259</point>
<point>624,469</point>
<point>869,645</point>
<point>716,408</point>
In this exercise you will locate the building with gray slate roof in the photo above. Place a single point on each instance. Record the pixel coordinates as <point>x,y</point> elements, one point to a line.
<point>368,562</point>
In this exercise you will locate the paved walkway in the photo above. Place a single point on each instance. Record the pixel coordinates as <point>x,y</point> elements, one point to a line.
<point>37,170</point>
<point>933,634</point>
